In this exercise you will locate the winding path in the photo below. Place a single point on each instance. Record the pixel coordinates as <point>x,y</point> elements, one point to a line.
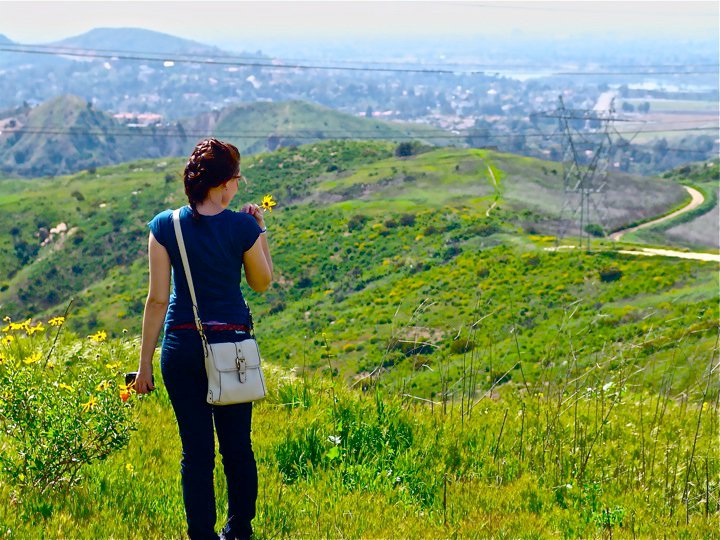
<point>697,200</point>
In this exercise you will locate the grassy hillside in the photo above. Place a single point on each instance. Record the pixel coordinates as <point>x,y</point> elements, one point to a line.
<point>394,259</point>
<point>66,134</point>
<point>264,126</point>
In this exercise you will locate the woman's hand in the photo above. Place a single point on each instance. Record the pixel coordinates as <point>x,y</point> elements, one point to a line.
<point>143,381</point>
<point>255,211</point>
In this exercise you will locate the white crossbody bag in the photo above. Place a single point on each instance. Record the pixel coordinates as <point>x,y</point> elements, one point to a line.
<point>233,368</point>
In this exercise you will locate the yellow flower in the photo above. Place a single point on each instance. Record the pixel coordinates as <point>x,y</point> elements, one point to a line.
<point>7,318</point>
<point>34,357</point>
<point>104,385</point>
<point>66,387</point>
<point>90,404</point>
<point>25,325</point>
<point>113,366</point>
<point>2,358</point>
<point>7,340</point>
<point>268,202</point>
<point>129,468</point>
<point>98,337</point>
<point>39,327</point>
<point>56,321</point>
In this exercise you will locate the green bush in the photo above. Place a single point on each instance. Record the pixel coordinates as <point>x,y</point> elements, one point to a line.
<point>59,412</point>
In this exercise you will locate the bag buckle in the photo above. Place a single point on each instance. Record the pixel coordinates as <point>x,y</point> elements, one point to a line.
<point>240,365</point>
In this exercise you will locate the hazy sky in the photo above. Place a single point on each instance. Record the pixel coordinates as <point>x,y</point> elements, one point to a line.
<point>237,23</point>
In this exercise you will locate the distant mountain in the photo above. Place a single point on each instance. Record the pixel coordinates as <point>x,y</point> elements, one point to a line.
<point>136,39</point>
<point>4,40</point>
<point>67,134</point>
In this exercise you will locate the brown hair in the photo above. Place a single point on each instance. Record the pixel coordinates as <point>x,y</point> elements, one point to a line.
<point>211,163</point>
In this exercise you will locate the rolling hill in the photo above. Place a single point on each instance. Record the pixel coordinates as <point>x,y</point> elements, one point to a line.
<point>392,258</point>
<point>66,134</point>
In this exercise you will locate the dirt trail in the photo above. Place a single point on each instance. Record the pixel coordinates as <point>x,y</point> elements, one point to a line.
<point>697,200</point>
<point>694,255</point>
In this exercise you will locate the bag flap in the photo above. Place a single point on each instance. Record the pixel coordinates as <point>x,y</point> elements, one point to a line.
<point>225,355</point>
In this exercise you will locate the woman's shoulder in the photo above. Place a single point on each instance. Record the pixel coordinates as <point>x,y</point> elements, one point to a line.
<point>161,224</point>
<point>165,214</point>
<point>241,218</point>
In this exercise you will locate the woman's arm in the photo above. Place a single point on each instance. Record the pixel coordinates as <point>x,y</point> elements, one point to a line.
<point>258,272</point>
<point>256,260</point>
<point>155,309</point>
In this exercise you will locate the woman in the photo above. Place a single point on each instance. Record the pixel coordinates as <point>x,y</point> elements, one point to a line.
<point>219,242</point>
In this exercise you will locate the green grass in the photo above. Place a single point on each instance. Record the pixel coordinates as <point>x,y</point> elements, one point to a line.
<point>674,105</point>
<point>585,454</point>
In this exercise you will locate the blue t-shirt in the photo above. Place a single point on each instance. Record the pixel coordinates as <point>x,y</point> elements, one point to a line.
<point>215,247</point>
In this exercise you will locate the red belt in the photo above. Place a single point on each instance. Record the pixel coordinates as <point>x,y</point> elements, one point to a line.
<point>211,327</point>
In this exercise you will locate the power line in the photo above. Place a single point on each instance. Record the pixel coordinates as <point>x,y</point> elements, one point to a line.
<point>66,50</point>
<point>169,132</point>
<point>159,57</point>
<point>573,9</point>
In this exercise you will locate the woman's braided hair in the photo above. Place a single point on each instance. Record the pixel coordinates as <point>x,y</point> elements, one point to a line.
<point>212,163</point>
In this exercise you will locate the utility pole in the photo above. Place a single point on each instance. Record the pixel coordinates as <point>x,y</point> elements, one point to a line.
<point>587,144</point>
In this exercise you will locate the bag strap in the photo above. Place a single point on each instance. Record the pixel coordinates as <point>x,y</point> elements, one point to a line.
<point>188,275</point>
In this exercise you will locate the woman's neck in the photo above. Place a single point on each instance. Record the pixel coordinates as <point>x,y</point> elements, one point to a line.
<point>213,204</point>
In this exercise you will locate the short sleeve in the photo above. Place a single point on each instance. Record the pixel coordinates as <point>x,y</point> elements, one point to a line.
<point>247,231</point>
<point>159,226</point>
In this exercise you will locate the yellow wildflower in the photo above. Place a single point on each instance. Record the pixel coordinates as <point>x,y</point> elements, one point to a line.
<point>39,327</point>
<point>7,318</point>
<point>56,321</point>
<point>129,468</point>
<point>66,387</point>
<point>34,357</point>
<point>90,404</point>
<point>268,202</point>
<point>104,385</point>
<point>25,325</point>
<point>98,337</point>
<point>7,340</point>
<point>113,366</point>
<point>2,358</point>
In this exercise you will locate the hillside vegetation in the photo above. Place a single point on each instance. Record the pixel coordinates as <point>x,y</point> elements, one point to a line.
<point>434,370</point>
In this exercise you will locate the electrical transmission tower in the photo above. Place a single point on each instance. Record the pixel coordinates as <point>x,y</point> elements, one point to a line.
<point>587,145</point>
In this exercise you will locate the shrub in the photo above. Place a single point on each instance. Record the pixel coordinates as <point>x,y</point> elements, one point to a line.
<point>58,420</point>
<point>610,273</point>
<point>407,220</point>
<point>357,222</point>
<point>462,346</point>
<point>595,230</point>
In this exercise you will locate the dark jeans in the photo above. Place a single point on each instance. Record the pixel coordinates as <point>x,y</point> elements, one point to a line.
<point>183,370</point>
